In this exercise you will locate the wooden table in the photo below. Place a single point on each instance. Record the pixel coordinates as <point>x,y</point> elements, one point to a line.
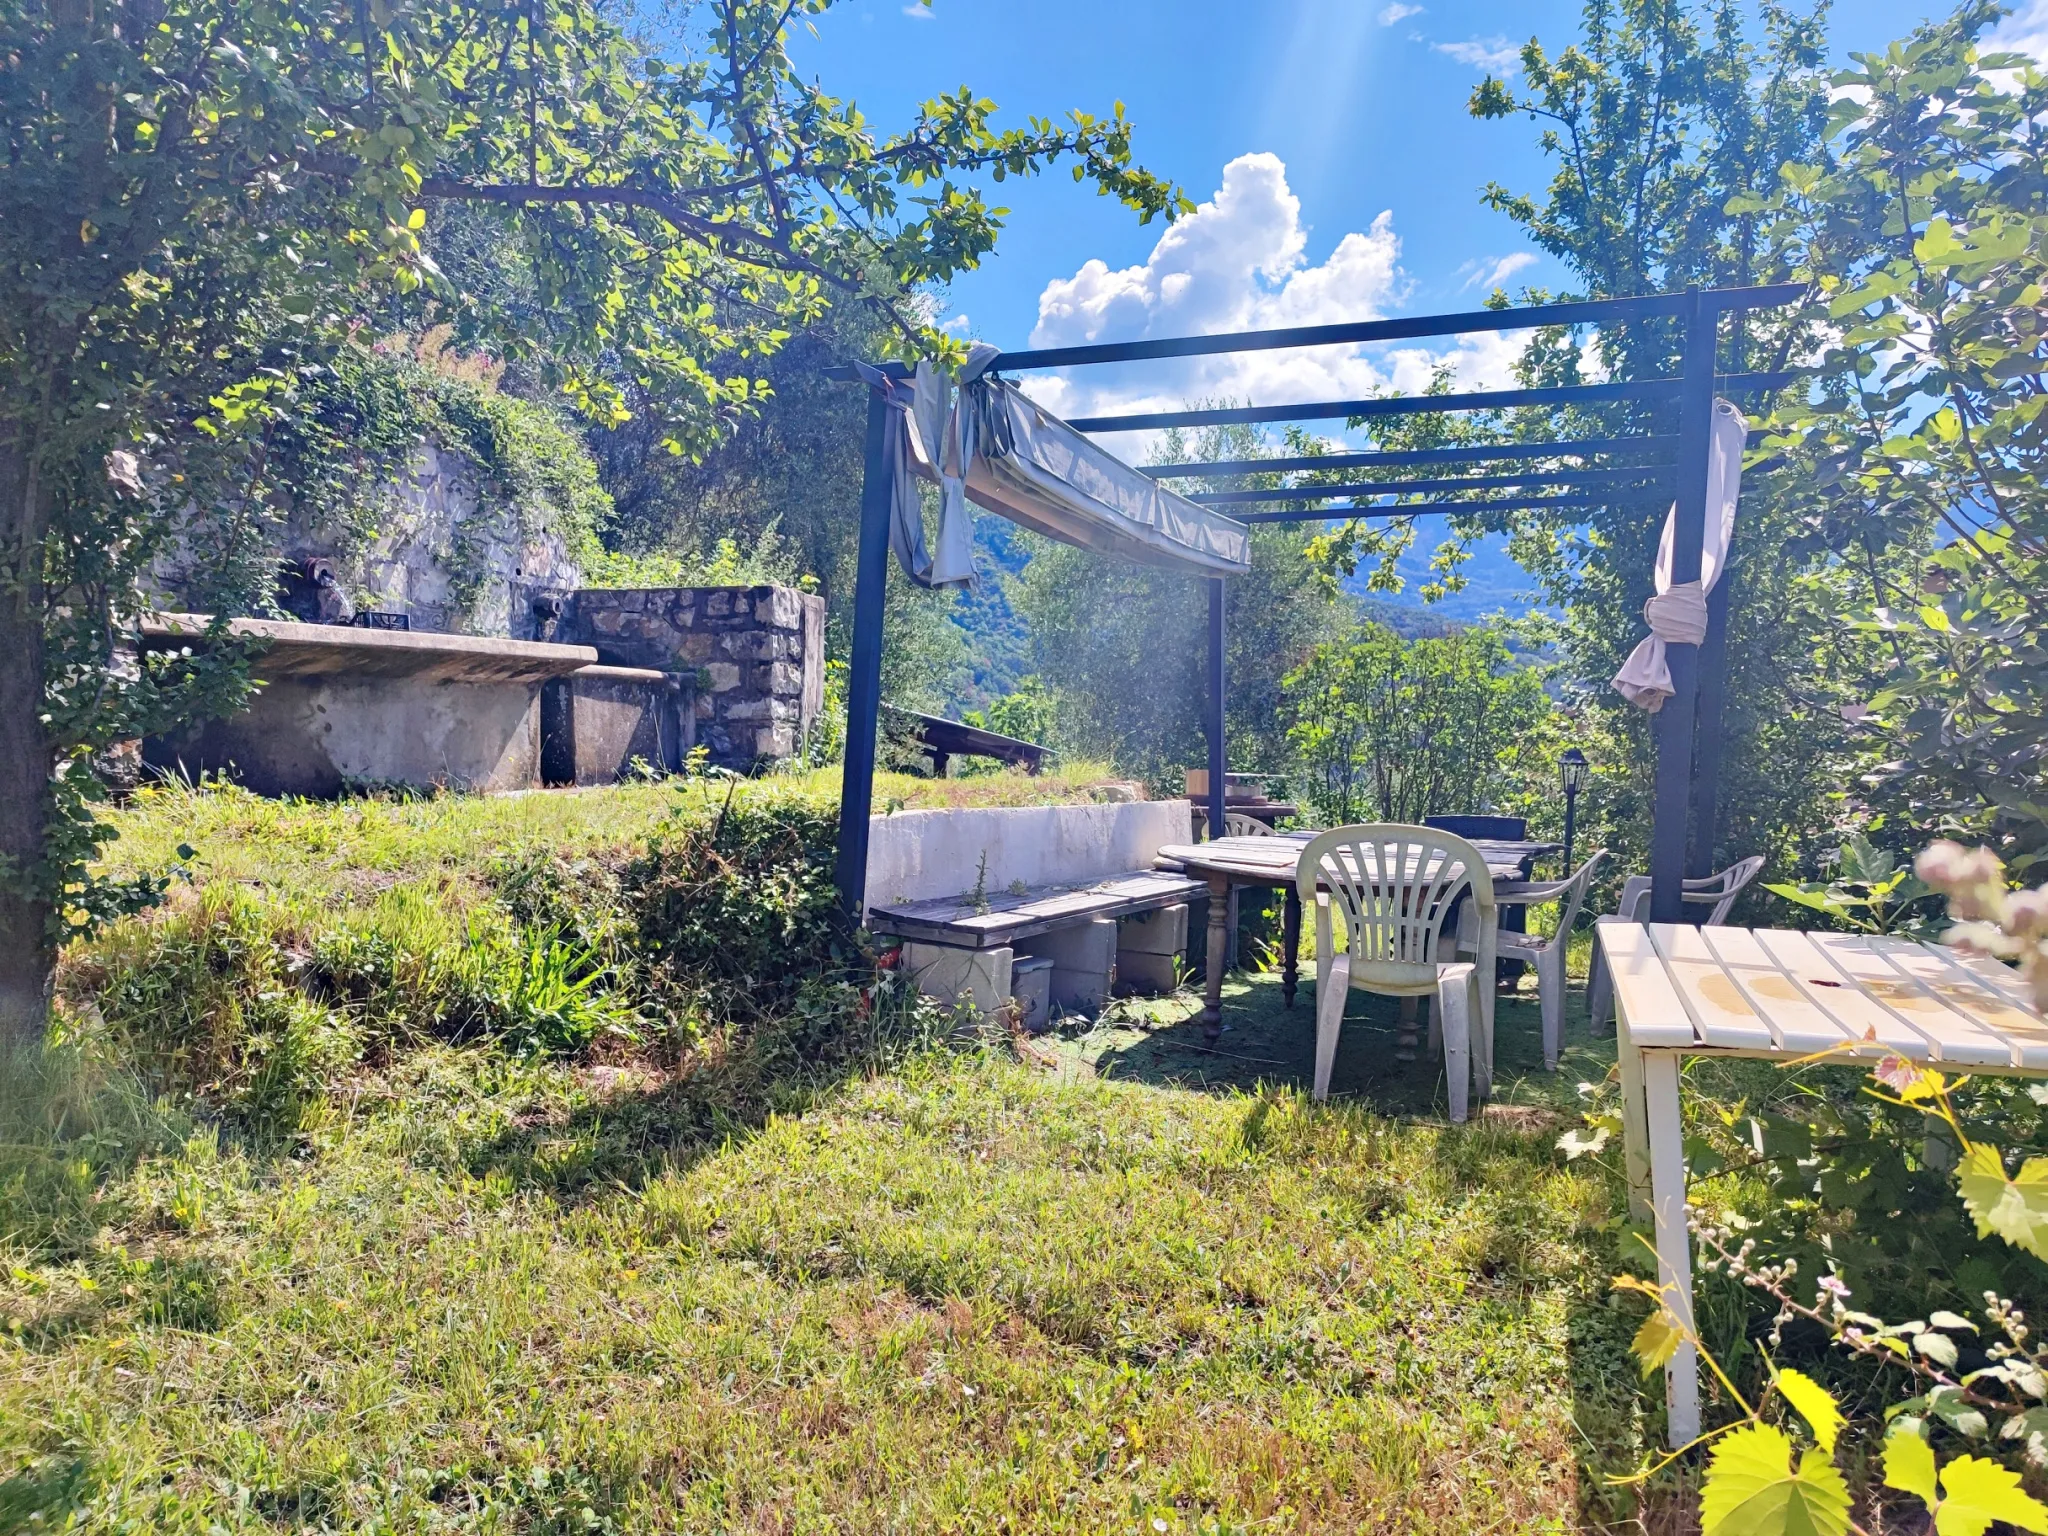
<point>1778,995</point>
<point>1271,862</point>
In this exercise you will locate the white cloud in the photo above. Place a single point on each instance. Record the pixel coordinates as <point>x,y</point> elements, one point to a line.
<point>1490,273</point>
<point>1239,263</point>
<point>957,325</point>
<point>1495,55</point>
<point>919,12</point>
<point>1398,12</point>
<point>2025,31</point>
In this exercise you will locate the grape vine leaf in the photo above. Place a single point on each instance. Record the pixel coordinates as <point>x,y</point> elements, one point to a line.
<point>1754,1489</point>
<point>1975,1492</point>
<point>1657,1340</point>
<point>1909,1466</point>
<point>2015,1208</point>
<point>1811,1401</point>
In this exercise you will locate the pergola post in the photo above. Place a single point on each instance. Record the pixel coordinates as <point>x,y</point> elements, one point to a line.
<point>1674,722</point>
<point>1217,758</point>
<point>864,674</point>
<point>1706,768</point>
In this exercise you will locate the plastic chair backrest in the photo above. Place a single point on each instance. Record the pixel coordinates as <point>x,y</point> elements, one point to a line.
<point>1507,828</point>
<point>1237,824</point>
<point>1717,890</point>
<point>1395,886</point>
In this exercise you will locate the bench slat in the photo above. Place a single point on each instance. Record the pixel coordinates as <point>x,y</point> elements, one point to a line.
<point>1012,916</point>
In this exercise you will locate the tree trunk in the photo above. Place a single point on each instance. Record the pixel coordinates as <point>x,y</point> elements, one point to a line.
<point>26,958</point>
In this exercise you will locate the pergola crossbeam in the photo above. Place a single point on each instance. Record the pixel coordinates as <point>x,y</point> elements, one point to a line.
<point>1575,477</point>
<point>1422,405</point>
<point>1661,446</point>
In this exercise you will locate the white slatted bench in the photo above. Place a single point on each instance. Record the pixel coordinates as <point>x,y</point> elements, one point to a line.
<point>1778,995</point>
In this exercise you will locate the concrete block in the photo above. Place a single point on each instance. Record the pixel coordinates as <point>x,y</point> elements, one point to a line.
<point>980,977</point>
<point>1148,973</point>
<point>1083,958</point>
<point>724,676</point>
<point>1031,986</point>
<point>919,855</point>
<point>1164,932</point>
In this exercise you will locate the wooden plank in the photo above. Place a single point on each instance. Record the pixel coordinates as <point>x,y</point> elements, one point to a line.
<point>1950,1036</point>
<point>2021,1028</point>
<point>1721,1015</point>
<point>1650,1007</point>
<point>1799,1024</point>
<point>1807,972</point>
<point>1018,917</point>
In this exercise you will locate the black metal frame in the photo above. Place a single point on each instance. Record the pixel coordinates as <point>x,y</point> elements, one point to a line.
<point>1684,810</point>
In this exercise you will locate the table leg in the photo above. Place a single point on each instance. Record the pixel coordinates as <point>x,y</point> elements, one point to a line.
<point>1635,1130</point>
<point>1674,1243</point>
<point>1218,946</point>
<point>1290,944</point>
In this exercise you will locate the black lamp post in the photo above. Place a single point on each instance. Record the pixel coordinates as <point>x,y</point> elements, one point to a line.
<point>1574,772</point>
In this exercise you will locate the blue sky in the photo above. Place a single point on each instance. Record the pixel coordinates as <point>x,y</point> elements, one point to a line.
<point>1327,139</point>
<point>1361,102</point>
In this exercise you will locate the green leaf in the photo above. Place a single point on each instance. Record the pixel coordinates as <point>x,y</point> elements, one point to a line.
<point>2016,1208</point>
<point>1753,1489</point>
<point>1812,1402</point>
<point>1657,1340</point>
<point>1909,1466</point>
<point>1976,1492</point>
<point>1938,1347</point>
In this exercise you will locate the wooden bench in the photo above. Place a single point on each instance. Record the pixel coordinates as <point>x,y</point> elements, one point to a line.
<point>967,948</point>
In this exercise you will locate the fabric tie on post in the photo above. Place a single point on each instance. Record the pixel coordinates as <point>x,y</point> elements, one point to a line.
<point>1678,615</point>
<point>918,424</point>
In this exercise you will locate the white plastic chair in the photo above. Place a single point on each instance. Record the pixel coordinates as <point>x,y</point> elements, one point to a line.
<point>1237,824</point>
<point>1395,886</point>
<point>1715,892</point>
<point>1546,955</point>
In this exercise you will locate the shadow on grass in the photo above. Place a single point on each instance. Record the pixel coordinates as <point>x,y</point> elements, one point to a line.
<point>1266,1043</point>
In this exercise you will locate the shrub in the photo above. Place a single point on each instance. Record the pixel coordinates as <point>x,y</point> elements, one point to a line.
<point>738,912</point>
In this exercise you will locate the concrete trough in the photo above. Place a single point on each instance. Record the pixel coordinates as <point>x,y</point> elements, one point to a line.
<point>343,706</point>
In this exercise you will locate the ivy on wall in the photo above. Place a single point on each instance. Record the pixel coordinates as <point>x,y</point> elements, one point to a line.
<point>350,436</point>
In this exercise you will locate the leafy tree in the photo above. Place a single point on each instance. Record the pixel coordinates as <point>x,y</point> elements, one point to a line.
<point>202,200</point>
<point>1124,647</point>
<point>1396,730</point>
<point>1660,119</point>
<point>1920,464</point>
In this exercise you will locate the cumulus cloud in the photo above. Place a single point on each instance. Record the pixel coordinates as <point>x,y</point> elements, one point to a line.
<point>1240,263</point>
<point>918,12</point>
<point>1491,272</point>
<point>1495,55</point>
<point>2025,31</point>
<point>1398,12</point>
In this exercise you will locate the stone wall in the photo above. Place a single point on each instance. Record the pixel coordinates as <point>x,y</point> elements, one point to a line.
<point>758,654</point>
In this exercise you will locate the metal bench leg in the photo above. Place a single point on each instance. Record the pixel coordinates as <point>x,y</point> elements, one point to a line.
<point>1674,1244</point>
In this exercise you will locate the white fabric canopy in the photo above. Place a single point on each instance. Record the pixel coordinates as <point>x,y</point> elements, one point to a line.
<point>1678,615</point>
<point>1024,463</point>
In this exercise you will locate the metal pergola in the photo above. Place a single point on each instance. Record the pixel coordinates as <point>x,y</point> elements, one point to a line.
<point>1665,466</point>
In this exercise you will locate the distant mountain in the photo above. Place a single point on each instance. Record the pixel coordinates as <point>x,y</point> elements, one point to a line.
<point>998,640</point>
<point>1492,582</point>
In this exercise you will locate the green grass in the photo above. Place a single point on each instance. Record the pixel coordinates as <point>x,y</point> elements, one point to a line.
<point>1113,1279</point>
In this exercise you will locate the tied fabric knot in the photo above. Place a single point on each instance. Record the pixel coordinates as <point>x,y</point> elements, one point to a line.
<point>920,421</point>
<point>1677,615</point>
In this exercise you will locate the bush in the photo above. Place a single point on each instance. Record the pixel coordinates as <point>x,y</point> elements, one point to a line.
<point>737,913</point>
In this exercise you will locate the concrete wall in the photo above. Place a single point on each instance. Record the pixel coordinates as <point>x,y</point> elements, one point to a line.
<point>758,654</point>
<point>921,855</point>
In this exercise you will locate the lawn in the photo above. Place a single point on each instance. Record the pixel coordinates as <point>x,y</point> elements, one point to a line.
<point>1112,1279</point>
